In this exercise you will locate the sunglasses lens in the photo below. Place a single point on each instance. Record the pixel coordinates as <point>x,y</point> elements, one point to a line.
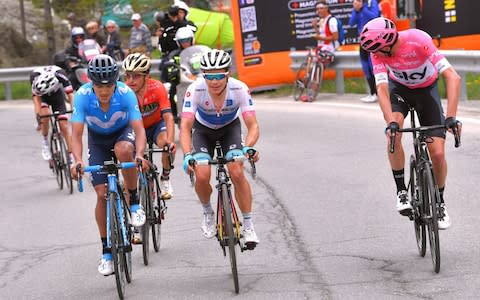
<point>212,76</point>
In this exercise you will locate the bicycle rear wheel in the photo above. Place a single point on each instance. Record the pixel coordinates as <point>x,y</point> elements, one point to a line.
<point>301,80</point>
<point>431,195</point>
<point>116,238</point>
<point>147,204</point>
<point>229,235</point>
<point>418,214</point>
<point>65,164</point>
<point>159,210</point>
<point>56,155</point>
<point>315,81</point>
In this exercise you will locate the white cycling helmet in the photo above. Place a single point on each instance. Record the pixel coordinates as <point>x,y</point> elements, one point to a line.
<point>45,83</point>
<point>215,60</point>
<point>137,62</point>
<point>182,5</point>
<point>184,34</point>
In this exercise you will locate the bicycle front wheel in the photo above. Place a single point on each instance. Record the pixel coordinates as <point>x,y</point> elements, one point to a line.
<point>229,235</point>
<point>159,210</point>
<point>126,244</point>
<point>56,156</point>
<point>116,238</point>
<point>431,195</point>
<point>147,204</point>
<point>316,77</point>
<point>66,164</point>
<point>418,214</point>
<point>301,81</point>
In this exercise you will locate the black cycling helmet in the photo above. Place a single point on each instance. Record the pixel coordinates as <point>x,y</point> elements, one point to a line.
<point>102,69</point>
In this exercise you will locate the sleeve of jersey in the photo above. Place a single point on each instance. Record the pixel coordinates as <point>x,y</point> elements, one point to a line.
<point>379,70</point>
<point>189,103</point>
<point>63,78</point>
<point>163,100</point>
<point>247,107</point>
<point>133,110</point>
<point>79,102</point>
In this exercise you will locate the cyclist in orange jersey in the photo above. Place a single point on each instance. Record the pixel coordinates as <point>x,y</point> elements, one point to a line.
<point>156,111</point>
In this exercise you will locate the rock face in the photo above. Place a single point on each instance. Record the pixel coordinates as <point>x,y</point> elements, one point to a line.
<point>17,51</point>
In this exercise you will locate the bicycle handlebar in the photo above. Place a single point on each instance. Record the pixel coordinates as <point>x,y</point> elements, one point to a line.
<point>56,114</point>
<point>164,149</point>
<point>455,131</point>
<point>108,167</point>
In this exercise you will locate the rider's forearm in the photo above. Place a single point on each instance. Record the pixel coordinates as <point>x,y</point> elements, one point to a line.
<point>185,135</point>
<point>453,91</point>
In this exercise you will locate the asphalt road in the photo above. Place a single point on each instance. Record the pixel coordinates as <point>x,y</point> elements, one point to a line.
<point>324,212</point>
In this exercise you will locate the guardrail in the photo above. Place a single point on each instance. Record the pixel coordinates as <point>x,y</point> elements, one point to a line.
<point>9,75</point>
<point>463,61</point>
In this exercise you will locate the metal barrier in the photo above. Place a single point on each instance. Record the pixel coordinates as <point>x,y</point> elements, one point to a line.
<point>9,75</point>
<point>463,61</point>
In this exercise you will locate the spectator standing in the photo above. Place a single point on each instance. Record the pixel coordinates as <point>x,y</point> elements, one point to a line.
<point>326,29</point>
<point>362,12</point>
<point>114,41</point>
<point>94,33</point>
<point>183,11</point>
<point>140,37</point>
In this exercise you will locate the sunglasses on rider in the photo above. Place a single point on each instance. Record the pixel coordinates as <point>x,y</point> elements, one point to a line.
<point>133,76</point>
<point>215,76</point>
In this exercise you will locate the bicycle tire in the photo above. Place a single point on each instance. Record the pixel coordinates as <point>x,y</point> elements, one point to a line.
<point>55,149</point>
<point>115,238</point>
<point>159,213</point>
<point>146,203</point>
<point>418,215</point>
<point>65,163</point>
<point>431,195</point>
<point>315,80</point>
<point>231,240</point>
<point>300,84</point>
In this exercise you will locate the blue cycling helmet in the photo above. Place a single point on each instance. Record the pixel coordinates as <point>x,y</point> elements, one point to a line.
<point>102,69</point>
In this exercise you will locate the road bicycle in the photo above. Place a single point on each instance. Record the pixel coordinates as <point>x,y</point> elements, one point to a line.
<point>119,228</point>
<point>227,222</point>
<point>423,189</point>
<point>150,198</point>
<point>60,162</point>
<point>310,75</point>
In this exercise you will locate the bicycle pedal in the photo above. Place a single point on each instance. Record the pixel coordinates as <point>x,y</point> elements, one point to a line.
<point>406,212</point>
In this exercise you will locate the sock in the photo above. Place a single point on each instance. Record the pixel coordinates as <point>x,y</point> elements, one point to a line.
<point>105,250</point>
<point>207,208</point>
<point>133,197</point>
<point>165,174</point>
<point>441,190</point>
<point>399,176</point>
<point>45,140</point>
<point>247,220</point>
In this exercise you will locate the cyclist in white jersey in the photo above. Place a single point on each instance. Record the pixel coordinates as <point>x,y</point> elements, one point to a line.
<point>406,65</point>
<point>212,106</point>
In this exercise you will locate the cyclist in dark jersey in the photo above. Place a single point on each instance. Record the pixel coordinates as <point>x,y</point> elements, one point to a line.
<point>51,87</point>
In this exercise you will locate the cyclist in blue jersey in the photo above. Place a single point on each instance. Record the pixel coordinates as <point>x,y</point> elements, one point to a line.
<point>110,110</point>
<point>212,106</point>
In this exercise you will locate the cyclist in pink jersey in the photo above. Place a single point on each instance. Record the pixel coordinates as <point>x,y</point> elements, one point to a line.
<point>406,66</point>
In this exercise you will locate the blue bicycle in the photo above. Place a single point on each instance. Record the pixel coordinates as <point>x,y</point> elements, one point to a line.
<point>119,230</point>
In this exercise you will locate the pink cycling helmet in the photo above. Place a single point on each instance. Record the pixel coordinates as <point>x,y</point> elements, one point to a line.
<point>378,33</point>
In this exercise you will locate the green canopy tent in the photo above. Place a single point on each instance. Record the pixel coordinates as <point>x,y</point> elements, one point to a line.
<point>215,29</point>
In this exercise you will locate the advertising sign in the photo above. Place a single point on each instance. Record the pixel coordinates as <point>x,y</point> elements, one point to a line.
<point>266,31</point>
